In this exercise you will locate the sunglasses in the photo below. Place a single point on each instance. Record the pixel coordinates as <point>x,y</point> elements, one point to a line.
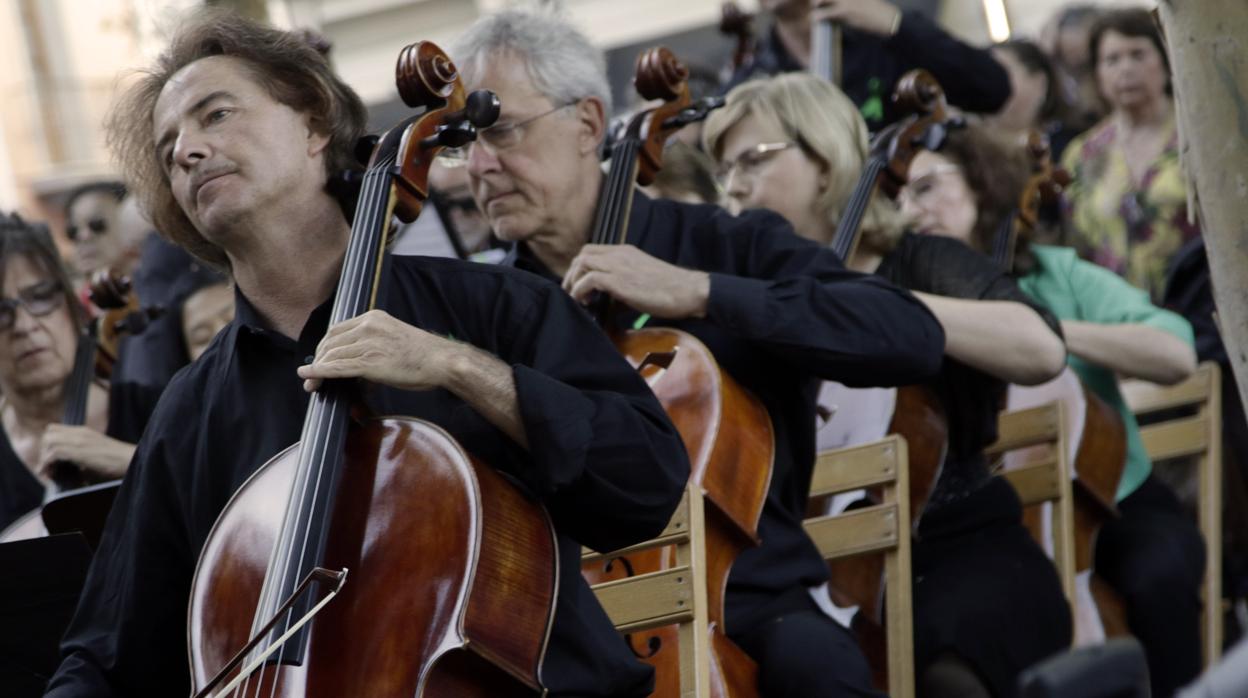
<point>97,226</point>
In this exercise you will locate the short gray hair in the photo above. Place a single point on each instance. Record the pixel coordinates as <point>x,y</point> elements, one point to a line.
<point>562,63</point>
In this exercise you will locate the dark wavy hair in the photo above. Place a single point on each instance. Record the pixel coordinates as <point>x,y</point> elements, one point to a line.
<point>1131,22</point>
<point>22,238</point>
<point>996,171</point>
<point>290,69</point>
<point>1035,60</point>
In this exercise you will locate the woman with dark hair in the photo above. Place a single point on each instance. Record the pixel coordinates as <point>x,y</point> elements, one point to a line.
<point>40,326</point>
<point>1128,202</point>
<point>987,601</point>
<point>1153,554</point>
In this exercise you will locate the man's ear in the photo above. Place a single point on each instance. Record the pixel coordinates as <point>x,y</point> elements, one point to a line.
<point>591,117</point>
<point>317,141</point>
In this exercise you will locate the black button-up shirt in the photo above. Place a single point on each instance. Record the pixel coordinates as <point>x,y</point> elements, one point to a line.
<point>783,312</point>
<point>603,457</point>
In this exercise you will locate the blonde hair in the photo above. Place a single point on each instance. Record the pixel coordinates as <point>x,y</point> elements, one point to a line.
<point>828,127</point>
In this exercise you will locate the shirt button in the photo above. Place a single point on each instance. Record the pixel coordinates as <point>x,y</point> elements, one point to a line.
<point>308,359</point>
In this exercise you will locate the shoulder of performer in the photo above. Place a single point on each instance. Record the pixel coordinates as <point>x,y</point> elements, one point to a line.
<point>469,284</point>
<point>740,244</point>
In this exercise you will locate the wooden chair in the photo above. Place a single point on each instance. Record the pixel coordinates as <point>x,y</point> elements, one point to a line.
<point>1197,437</point>
<point>882,527</point>
<point>1040,474</point>
<point>675,596</point>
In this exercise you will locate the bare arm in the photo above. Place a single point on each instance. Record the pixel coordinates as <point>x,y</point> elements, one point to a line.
<point>488,386</point>
<point>1132,350</point>
<point>1001,338</point>
<point>103,455</point>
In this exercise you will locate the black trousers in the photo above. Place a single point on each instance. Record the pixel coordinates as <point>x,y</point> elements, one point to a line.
<point>1154,556</point>
<point>802,653</point>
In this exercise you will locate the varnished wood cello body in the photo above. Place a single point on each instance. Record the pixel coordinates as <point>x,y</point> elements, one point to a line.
<point>916,413</point>
<point>404,593</point>
<point>727,432</point>
<point>1097,436</point>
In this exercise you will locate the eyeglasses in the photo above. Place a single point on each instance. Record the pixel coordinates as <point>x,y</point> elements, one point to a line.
<point>496,138</point>
<point>749,162</point>
<point>920,188</point>
<point>38,300</point>
<point>97,226</point>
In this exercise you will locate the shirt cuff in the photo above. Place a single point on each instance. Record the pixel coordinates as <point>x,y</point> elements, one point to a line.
<point>736,302</point>
<point>558,425</point>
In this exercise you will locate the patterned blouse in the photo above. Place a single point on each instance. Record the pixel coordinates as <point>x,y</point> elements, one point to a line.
<point>1129,229</point>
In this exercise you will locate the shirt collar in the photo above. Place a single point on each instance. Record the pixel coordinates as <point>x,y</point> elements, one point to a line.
<point>248,322</point>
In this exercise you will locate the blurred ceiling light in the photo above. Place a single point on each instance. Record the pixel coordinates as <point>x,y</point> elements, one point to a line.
<point>998,20</point>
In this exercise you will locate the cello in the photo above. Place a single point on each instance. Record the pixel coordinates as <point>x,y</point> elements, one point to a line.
<point>916,415</point>
<point>1097,442</point>
<point>912,411</point>
<point>321,577</point>
<point>727,432</point>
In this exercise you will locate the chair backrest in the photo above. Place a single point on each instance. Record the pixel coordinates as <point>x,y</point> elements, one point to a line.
<point>883,527</point>
<point>1041,476</point>
<point>1195,434</point>
<point>674,596</point>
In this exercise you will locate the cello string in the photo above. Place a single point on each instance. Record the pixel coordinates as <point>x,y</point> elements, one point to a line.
<point>353,294</point>
<point>620,199</point>
<point>851,220</point>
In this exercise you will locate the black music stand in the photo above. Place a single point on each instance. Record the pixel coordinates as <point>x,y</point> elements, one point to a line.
<point>40,581</point>
<point>83,510</point>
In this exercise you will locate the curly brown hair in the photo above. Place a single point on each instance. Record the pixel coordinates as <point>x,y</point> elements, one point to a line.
<point>293,73</point>
<point>996,171</point>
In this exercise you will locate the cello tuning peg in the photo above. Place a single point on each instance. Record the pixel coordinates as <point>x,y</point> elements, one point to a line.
<point>456,135</point>
<point>482,108</point>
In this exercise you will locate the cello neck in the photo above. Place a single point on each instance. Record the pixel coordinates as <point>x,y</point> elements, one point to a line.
<point>78,387</point>
<point>615,203</point>
<point>845,240</point>
<point>1003,242</point>
<point>301,542</point>
<point>66,475</point>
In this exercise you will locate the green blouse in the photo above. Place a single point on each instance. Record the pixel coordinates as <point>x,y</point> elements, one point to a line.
<point>1077,290</point>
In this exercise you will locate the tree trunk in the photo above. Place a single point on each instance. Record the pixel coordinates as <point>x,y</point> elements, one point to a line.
<point>1208,46</point>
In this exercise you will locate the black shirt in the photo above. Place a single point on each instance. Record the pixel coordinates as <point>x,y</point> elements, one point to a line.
<point>165,276</point>
<point>782,313</point>
<point>603,457</point>
<point>972,399</point>
<point>871,65</point>
<point>20,490</point>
